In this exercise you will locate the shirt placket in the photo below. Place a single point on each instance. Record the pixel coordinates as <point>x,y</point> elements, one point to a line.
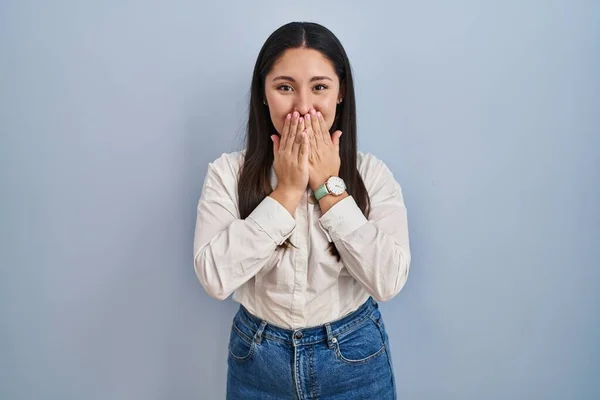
<point>300,262</point>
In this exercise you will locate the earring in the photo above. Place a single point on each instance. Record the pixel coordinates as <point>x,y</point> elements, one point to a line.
<point>340,100</point>
<point>265,102</point>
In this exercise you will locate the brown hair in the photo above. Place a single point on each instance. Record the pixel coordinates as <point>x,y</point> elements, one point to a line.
<point>254,183</point>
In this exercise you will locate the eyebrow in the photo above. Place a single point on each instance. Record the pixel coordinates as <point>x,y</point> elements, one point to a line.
<point>314,78</point>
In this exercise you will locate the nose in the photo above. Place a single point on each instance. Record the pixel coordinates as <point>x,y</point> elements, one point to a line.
<point>302,103</point>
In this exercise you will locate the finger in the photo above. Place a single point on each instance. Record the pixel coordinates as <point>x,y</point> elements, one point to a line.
<point>286,130</point>
<point>312,134</point>
<point>314,145</point>
<point>335,138</point>
<point>311,123</point>
<point>298,138</point>
<point>323,127</point>
<point>310,120</point>
<point>293,131</point>
<point>301,124</point>
<point>276,143</point>
<point>318,127</point>
<point>304,149</point>
<point>314,122</point>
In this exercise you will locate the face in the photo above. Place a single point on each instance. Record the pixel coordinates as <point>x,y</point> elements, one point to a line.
<point>300,80</point>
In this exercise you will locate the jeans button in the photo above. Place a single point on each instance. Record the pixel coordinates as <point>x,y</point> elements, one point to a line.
<point>298,335</point>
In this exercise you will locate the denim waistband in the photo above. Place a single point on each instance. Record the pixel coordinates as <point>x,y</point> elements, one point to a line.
<point>303,336</point>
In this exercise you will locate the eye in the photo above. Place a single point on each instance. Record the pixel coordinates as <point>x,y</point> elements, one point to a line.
<point>320,87</point>
<point>285,88</point>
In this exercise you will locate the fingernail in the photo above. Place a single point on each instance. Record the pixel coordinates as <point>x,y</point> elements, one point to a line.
<point>307,117</point>
<point>313,111</point>
<point>295,114</point>
<point>288,116</point>
<point>319,114</point>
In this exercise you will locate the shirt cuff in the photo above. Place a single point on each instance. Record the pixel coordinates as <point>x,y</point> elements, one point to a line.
<point>342,219</point>
<point>273,219</point>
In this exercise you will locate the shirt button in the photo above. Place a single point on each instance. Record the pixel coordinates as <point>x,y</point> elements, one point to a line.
<point>298,335</point>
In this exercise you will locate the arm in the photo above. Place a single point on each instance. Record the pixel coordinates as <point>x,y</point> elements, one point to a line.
<point>228,251</point>
<point>376,250</point>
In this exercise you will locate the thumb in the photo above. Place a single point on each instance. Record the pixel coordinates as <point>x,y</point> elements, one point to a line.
<point>335,138</point>
<point>275,140</point>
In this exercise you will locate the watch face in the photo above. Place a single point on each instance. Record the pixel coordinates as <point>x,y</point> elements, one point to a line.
<point>336,185</point>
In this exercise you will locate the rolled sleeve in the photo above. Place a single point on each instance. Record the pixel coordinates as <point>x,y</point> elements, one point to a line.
<point>273,219</point>
<point>342,219</point>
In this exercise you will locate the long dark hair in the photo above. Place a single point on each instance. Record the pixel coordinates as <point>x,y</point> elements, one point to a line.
<point>254,183</point>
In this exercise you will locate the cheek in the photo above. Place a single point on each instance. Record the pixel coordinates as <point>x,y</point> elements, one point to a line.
<point>278,110</point>
<point>329,120</point>
<point>329,114</point>
<point>277,121</point>
<point>278,118</point>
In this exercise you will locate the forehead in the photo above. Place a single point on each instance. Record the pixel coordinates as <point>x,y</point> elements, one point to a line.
<point>303,63</point>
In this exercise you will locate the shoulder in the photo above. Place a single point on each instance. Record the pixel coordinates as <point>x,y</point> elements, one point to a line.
<point>228,164</point>
<point>374,171</point>
<point>367,161</point>
<point>369,166</point>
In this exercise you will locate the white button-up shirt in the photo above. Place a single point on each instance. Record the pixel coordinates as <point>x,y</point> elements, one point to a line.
<point>303,286</point>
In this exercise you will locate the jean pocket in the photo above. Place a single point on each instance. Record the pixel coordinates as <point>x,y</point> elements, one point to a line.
<point>362,344</point>
<point>241,346</point>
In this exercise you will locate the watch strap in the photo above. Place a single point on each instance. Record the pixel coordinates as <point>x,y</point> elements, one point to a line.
<point>321,192</point>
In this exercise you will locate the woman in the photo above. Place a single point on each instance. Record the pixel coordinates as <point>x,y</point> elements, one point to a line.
<point>305,231</point>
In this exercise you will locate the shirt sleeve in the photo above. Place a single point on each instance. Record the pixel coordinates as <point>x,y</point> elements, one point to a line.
<point>376,250</point>
<point>228,250</point>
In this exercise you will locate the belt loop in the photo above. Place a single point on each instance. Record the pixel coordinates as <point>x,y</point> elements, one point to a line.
<point>374,303</point>
<point>329,336</point>
<point>259,332</point>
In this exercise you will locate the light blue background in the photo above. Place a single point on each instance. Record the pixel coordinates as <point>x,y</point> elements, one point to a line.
<point>487,113</point>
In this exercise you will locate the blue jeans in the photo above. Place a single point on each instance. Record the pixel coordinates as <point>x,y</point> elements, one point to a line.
<point>344,359</point>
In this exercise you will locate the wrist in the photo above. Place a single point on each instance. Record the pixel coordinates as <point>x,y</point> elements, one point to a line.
<point>288,198</point>
<point>334,185</point>
<point>288,193</point>
<point>318,182</point>
<point>329,201</point>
